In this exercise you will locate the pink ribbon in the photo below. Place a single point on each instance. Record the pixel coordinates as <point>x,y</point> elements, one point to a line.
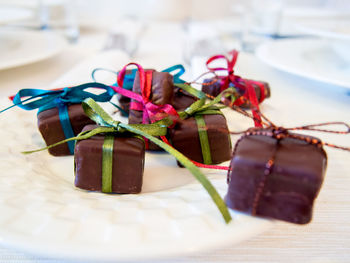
<point>151,111</point>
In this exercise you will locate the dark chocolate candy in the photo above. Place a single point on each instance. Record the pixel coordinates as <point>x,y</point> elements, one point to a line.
<point>162,93</point>
<point>288,192</point>
<point>127,167</point>
<point>185,138</point>
<point>182,99</point>
<point>50,127</point>
<point>124,102</point>
<point>213,89</point>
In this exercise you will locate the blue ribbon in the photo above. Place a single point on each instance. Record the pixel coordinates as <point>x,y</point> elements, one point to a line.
<point>48,99</point>
<point>129,78</point>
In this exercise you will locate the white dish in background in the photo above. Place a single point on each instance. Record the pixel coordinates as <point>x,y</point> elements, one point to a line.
<point>20,47</point>
<point>41,212</point>
<point>329,28</point>
<point>310,58</point>
<point>13,14</point>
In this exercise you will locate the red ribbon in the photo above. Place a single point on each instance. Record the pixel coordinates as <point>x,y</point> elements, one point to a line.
<point>237,81</point>
<point>151,111</point>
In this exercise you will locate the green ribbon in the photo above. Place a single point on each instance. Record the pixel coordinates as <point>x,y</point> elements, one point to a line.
<point>194,92</point>
<point>198,109</point>
<point>110,126</point>
<point>107,161</point>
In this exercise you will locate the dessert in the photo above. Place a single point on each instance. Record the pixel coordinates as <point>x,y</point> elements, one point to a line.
<point>276,175</point>
<point>127,165</point>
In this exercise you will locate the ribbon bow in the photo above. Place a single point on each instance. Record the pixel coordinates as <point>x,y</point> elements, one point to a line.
<point>48,99</point>
<point>129,78</point>
<point>151,111</point>
<point>198,109</point>
<point>238,82</point>
<point>96,113</point>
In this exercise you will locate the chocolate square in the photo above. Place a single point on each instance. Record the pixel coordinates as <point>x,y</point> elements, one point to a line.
<point>162,93</point>
<point>124,102</point>
<point>51,130</point>
<point>213,89</point>
<point>127,166</point>
<point>288,192</point>
<point>182,99</point>
<point>185,138</point>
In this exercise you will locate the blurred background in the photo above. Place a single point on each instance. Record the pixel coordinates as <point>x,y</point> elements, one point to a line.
<point>182,31</point>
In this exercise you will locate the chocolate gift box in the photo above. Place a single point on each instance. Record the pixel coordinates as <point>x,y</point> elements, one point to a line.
<point>276,174</point>
<point>187,138</point>
<point>60,115</point>
<point>51,130</point>
<point>202,134</point>
<point>246,96</point>
<point>213,87</point>
<point>181,99</point>
<point>127,163</point>
<point>161,92</point>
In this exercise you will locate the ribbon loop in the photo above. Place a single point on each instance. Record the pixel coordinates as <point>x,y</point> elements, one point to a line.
<point>246,85</point>
<point>47,99</point>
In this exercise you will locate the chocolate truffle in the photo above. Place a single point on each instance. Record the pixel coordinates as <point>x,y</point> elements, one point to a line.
<point>127,166</point>
<point>51,130</point>
<point>185,138</point>
<point>287,190</point>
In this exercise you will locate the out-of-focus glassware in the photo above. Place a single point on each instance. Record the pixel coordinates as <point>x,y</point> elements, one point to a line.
<point>59,15</point>
<point>260,21</point>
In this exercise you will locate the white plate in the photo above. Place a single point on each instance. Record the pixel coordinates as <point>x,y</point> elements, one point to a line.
<point>330,28</point>
<point>20,47</point>
<point>309,58</point>
<point>41,212</point>
<point>13,14</point>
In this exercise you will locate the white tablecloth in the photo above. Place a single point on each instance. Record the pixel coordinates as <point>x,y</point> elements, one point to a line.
<point>295,101</point>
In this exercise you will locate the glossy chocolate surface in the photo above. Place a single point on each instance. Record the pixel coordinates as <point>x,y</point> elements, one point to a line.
<point>51,130</point>
<point>124,102</point>
<point>289,191</point>
<point>127,167</point>
<point>184,137</point>
<point>162,93</point>
<point>182,99</point>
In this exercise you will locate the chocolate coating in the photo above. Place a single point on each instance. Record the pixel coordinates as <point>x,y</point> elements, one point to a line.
<point>124,102</point>
<point>213,89</point>
<point>51,130</point>
<point>162,93</point>
<point>291,188</point>
<point>182,99</point>
<point>184,137</point>
<point>127,167</point>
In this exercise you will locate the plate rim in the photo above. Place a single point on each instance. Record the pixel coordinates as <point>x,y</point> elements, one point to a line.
<point>59,42</point>
<point>263,54</point>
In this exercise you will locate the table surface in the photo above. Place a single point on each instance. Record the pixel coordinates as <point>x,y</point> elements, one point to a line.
<point>295,101</point>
